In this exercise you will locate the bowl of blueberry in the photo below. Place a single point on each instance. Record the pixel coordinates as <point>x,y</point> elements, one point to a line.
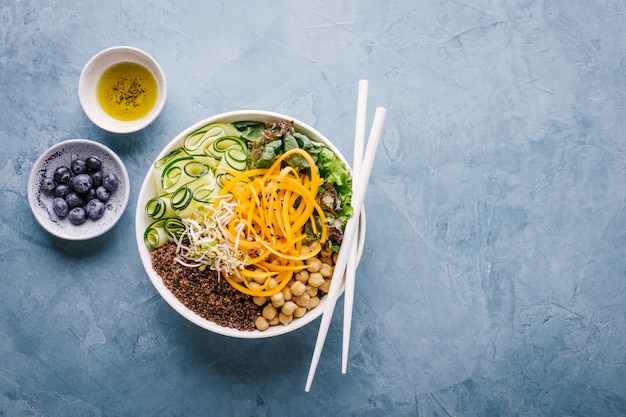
<point>78,189</point>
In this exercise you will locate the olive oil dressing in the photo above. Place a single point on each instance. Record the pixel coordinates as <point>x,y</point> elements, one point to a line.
<point>127,91</point>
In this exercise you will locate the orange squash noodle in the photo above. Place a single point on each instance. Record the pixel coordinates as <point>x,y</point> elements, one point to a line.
<point>272,207</point>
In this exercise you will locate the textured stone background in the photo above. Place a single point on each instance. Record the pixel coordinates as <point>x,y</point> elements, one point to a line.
<point>493,279</point>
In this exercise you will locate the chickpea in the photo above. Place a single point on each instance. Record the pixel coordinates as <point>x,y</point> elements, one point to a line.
<point>326,256</point>
<point>304,250</point>
<point>261,323</point>
<point>269,312</point>
<point>312,291</point>
<point>303,300</point>
<point>284,319</point>
<point>259,279</point>
<point>287,295</point>
<point>277,299</point>
<point>314,265</point>
<point>274,321</point>
<point>273,284</point>
<point>316,279</point>
<point>313,302</point>
<point>288,308</point>
<point>259,300</point>
<point>299,312</point>
<point>325,287</point>
<point>326,270</point>
<point>302,276</point>
<point>298,288</point>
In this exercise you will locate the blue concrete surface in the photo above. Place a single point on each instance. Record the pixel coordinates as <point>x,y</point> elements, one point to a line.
<point>494,275</point>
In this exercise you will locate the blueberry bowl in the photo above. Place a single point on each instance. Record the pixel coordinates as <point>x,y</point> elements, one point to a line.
<point>78,189</point>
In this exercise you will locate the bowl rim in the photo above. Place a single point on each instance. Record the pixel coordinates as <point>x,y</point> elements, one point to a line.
<point>91,73</point>
<point>33,191</point>
<point>141,222</point>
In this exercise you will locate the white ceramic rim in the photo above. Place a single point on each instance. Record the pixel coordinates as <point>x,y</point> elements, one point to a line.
<point>92,72</point>
<point>142,221</point>
<point>80,232</point>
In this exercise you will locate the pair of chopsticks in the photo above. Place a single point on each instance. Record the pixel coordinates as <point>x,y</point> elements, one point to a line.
<point>347,259</point>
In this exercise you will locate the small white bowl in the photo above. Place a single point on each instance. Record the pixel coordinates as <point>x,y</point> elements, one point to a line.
<point>91,74</point>
<point>142,222</point>
<point>62,154</point>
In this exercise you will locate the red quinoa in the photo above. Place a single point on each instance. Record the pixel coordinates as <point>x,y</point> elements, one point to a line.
<point>204,292</point>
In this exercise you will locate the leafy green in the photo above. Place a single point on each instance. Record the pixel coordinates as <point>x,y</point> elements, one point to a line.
<point>269,153</point>
<point>307,144</point>
<point>296,161</point>
<point>335,172</point>
<point>262,141</point>
<point>250,131</point>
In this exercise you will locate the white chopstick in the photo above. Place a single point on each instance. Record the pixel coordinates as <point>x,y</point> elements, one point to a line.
<point>360,185</point>
<point>348,298</point>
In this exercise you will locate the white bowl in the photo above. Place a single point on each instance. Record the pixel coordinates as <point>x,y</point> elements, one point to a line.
<point>142,221</point>
<point>62,154</point>
<point>91,74</point>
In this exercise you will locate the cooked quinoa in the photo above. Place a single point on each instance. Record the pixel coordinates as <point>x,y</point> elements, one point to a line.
<point>204,293</point>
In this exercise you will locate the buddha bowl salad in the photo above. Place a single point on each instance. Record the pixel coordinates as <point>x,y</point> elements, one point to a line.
<point>261,205</point>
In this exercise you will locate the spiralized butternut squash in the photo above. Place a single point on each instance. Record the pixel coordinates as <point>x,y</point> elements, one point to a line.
<point>272,208</point>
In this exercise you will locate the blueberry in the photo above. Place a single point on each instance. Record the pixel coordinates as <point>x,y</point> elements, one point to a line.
<point>95,209</point>
<point>62,190</point>
<point>102,194</point>
<point>78,166</point>
<point>47,185</point>
<point>93,164</point>
<point>82,183</point>
<point>78,215</point>
<point>62,175</point>
<point>110,182</point>
<point>60,207</point>
<point>97,178</point>
<point>91,194</point>
<point>74,200</point>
